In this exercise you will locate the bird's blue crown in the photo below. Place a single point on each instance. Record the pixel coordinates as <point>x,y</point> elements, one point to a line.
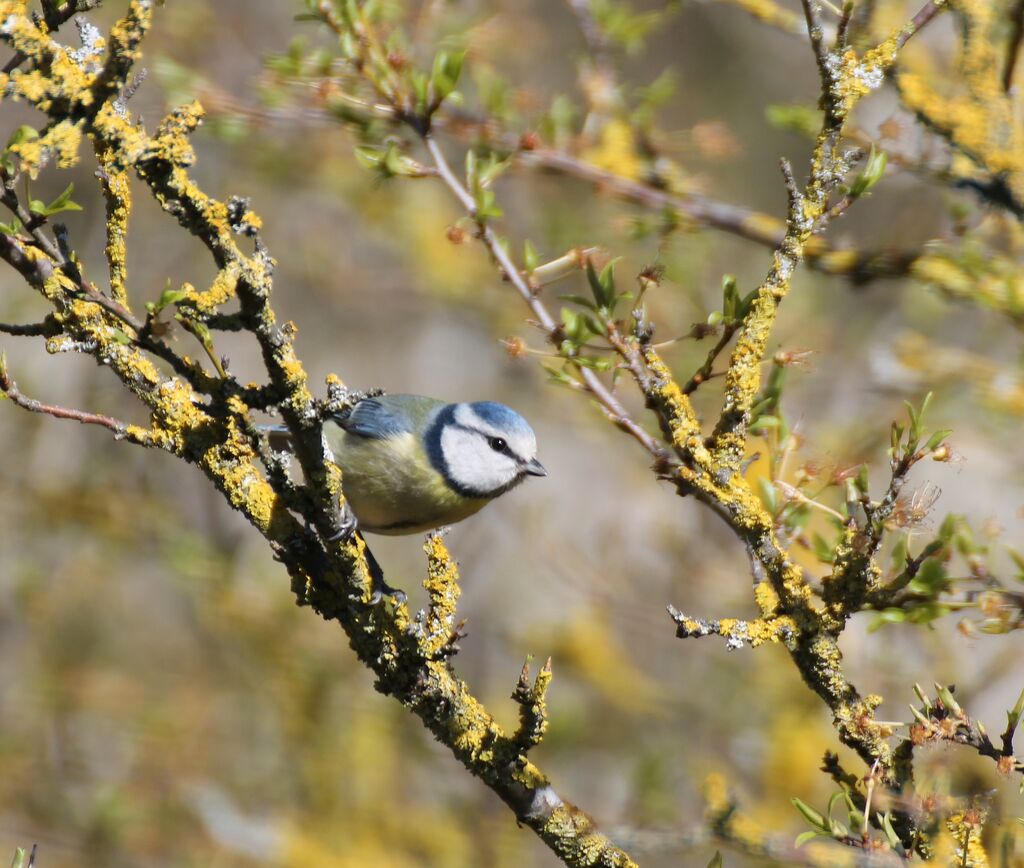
<point>500,416</point>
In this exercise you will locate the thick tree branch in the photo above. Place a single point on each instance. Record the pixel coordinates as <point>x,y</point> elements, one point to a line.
<point>217,436</point>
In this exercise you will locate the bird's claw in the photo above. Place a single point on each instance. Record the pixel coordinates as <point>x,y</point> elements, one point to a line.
<point>379,588</point>
<point>396,594</point>
<point>347,526</point>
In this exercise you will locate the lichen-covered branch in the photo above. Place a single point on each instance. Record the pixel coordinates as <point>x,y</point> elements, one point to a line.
<point>711,470</point>
<point>204,418</point>
<point>737,632</point>
<point>976,115</point>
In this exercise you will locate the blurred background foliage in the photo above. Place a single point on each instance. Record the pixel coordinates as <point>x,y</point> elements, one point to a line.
<point>165,702</point>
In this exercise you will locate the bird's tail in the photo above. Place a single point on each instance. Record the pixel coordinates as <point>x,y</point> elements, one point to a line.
<point>278,436</point>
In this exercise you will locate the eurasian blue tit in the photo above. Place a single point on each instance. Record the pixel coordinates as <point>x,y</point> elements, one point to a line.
<point>410,464</point>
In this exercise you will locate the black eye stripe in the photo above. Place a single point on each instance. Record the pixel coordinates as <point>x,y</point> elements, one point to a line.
<point>500,445</point>
<point>504,449</point>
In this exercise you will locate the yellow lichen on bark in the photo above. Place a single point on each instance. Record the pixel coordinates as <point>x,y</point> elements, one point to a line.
<point>676,406</point>
<point>117,192</point>
<point>972,110</point>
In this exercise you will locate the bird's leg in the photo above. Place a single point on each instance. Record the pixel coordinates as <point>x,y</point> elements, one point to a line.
<point>347,525</point>
<point>381,588</point>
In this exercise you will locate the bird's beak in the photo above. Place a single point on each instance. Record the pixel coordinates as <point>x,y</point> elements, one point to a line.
<point>535,468</point>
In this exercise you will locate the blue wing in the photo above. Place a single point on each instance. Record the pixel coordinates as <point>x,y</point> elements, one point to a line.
<point>386,416</point>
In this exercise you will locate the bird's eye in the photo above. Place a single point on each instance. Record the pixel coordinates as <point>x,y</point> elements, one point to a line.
<point>497,444</point>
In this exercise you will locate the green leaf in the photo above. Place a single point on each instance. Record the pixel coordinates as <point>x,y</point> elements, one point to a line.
<point>607,279</point>
<point>19,858</point>
<point>804,120</point>
<point>12,228</point>
<point>168,297</point>
<point>420,82</point>
<point>890,833</point>
<point>396,163</point>
<point>530,258</point>
<point>823,549</point>
<point>1013,715</point>
<point>730,298</point>
<point>804,837</point>
<point>763,423</point>
<point>580,300</point>
<point>598,328</point>
<point>835,797</point>
<point>1018,560</point>
<point>22,134</point>
<point>492,169</point>
<point>486,204</point>
<point>602,285</point>
<point>838,829</point>
<point>574,326</point>
<point>925,404</point>
<point>887,616</point>
<point>936,439</point>
<point>946,695</point>
<point>815,818</point>
<point>446,72</point>
<point>899,552</point>
<point>872,173</point>
<point>745,304</point>
<point>368,156</point>
<point>595,364</point>
<point>895,435</point>
<point>716,860</point>
<point>63,202</point>
<point>558,375</point>
<point>769,494</point>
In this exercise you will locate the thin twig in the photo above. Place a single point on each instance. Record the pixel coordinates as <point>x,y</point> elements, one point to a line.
<point>616,412</point>
<point>597,42</point>
<point>704,372</point>
<point>45,329</point>
<point>122,430</point>
<point>925,14</point>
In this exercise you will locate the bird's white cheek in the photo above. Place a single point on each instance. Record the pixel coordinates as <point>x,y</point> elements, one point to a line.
<point>471,462</point>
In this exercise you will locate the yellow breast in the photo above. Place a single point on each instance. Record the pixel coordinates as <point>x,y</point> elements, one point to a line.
<point>394,489</point>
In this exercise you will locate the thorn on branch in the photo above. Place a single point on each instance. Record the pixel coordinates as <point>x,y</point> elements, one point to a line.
<point>439,634</point>
<point>826,68</point>
<point>340,399</point>
<point>793,193</point>
<point>533,711</point>
<point>68,264</point>
<point>121,103</point>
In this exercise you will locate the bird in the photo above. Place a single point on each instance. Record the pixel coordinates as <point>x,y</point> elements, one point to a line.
<point>412,464</point>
